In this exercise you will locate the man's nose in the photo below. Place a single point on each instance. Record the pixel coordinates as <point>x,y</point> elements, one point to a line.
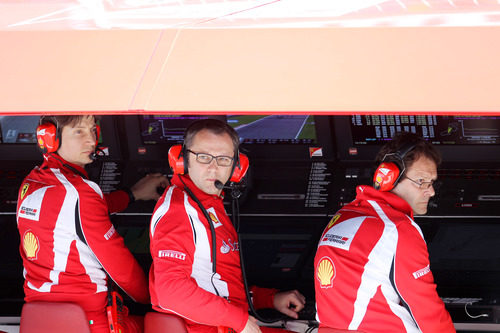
<point>213,164</point>
<point>91,137</point>
<point>431,192</point>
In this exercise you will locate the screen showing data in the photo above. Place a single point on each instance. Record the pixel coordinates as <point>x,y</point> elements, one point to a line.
<point>440,130</point>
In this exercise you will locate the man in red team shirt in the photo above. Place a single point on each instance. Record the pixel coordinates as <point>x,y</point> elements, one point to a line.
<point>182,280</point>
<point>372,268</point>
<point>69,247</point>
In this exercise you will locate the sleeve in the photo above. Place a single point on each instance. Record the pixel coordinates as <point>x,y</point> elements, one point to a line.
<point>117,201</point>
<point>415,283</point>
<point>263,298</point>
<point>108,246</point>
<point>172,249</point>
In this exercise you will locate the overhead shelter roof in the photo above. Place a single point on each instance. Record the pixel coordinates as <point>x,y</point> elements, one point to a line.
<point>315,56</point>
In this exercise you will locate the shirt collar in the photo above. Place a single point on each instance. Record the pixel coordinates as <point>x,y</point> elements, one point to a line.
<point>54,158</point>
<point>369,193</point>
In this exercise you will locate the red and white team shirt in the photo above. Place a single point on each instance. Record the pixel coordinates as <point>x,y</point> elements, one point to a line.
<point>68,243</point>
<point>372,270</point>
<point>181,277</point>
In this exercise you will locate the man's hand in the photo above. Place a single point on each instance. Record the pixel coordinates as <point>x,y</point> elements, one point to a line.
<point>251,326</point>
<point>289,302</point>
<point>145,188</point>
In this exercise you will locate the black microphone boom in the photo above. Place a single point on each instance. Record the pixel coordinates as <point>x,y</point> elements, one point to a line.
<point>218,184</point>
<point>97,153</point>
<point>235,188</point>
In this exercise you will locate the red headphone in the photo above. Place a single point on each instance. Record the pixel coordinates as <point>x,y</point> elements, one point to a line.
<point>392,168</point>
<point>178,163</point>
<point>49,137</point>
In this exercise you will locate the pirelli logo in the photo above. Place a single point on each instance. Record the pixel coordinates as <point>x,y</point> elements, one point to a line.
<point>421,272</point>
<point>171,254</point>
<point>110,233</point>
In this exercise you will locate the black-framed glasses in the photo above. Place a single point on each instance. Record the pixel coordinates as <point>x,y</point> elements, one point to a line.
<point>421,184</point>
<point>204,158</point>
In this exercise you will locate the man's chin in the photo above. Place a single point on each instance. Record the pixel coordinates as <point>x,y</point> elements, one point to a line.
<point>212,190</point>
<point>88,160</point>
<point>420,212</point>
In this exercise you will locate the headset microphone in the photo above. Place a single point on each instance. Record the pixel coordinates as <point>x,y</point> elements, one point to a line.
<point>97,153</point>
<point>235,188</point>
<point>218,184</point>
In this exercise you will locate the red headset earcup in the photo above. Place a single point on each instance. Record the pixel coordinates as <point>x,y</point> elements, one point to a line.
<point>385,176</point>
<point>46,135</point>
<point>240,171</point>
<point>176,160</point>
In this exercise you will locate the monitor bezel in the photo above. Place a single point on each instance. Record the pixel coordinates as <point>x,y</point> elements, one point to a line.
<point>287,152</point>
<point>366,153</point>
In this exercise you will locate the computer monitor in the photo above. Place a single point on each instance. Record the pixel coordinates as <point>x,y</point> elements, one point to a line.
<point>18,138</point>
<point>149,137</point>
<point>274,129</point>
<point>285,137</point>
<point>459,138</point>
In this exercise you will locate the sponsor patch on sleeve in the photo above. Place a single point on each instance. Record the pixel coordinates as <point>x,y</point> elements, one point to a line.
<point>421,272</point>
<point>325,272</point>
<point>110,233</point>
<point>31,245</point>
<point>341,235</point>
<point>30,207</point>
<point>171,254</point>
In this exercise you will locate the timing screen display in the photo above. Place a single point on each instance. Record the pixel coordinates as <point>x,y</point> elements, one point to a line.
<point>18,129</point>
<point>274,129</point>
<point>442,130</point>
<point>165,129</point>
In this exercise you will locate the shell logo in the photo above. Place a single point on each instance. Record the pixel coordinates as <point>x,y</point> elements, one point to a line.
<point>325,272</point>
<point>30,245</point>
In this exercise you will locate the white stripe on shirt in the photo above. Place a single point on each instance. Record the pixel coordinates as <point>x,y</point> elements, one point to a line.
<point>380,261</point>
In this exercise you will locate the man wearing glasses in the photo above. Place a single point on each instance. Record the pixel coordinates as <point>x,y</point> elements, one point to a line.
<point>372,268</point>
<point>184,279</point>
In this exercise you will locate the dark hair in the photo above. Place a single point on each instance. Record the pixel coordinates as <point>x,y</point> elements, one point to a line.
<point>403,140</point>
<point>61,121</point>
<point>214,126</point>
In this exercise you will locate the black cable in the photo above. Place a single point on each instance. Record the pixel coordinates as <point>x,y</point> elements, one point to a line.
<point>212,232</point>
<point>235,193</point>
<point>236,222</point>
